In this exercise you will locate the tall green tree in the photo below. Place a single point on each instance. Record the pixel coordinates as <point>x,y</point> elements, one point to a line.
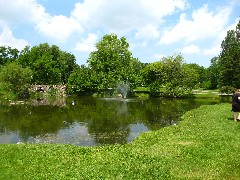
<point>112,62</point>
<point>213,73</point>
<point>229,60</point>
<point>49,64</point>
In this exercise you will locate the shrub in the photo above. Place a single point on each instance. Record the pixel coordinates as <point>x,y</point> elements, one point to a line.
<point>227,89</point>
<point>15,79</point>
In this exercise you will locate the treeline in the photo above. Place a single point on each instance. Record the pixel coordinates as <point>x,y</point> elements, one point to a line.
<point>42,64</point>
<point>112,65</point>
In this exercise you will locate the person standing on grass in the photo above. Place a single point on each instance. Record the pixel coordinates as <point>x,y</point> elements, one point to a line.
<point>236,105</point>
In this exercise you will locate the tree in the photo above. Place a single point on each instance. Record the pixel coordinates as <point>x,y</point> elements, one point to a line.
<point>137,68</point>
<point>15,79</point>
<point>172,74</point>
<point>178,77</point>
<point>213,73</point>
<point>152,76</point>
<point>229,60</point>
<point>8,54</point>
<point>202,75</point>
<point>49,64</point>
<point>67,64</point>
<point>112,62</point>
<point>81,81</point>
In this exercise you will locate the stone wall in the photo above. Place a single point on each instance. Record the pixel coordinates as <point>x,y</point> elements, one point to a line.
<point>58,89</point>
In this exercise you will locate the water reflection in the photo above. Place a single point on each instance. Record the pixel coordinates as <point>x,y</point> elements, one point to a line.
<point>91,121</point>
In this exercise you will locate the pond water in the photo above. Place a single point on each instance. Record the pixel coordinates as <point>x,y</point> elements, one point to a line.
<point>88,121</point>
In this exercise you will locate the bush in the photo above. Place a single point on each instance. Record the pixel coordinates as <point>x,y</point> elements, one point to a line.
<point>227,89</point>
<point>207,85</point>
<point>178,91</point>
<point>154,89</point>
<point>15,79</point>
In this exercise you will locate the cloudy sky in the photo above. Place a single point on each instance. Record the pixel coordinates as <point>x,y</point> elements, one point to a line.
<point>153,28</point>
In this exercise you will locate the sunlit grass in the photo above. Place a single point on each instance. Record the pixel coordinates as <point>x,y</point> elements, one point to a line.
<point>205,145</point>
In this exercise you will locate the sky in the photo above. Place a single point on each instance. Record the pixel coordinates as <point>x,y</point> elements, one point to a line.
<point>153,28</point>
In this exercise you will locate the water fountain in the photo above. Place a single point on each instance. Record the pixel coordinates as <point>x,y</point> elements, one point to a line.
<point>123,89</point>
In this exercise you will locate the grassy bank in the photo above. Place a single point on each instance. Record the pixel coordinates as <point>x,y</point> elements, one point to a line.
<point>205,145</point>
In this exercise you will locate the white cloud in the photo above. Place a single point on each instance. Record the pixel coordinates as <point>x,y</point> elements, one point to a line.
<point>134,45</point>
<point>204,25</point>
<point>223,34</point>
<point>124,15</point>
<point>160,8</point>
<point>15,11</point>
<point>214,51</point>
<point>30,12</point>
<point>216,48</point>
<point>113,16</point>
<point>88,45</point>
<point>7,39</point>
<point>148,32</point>
<point>191,49</point>
<point>59,27</point>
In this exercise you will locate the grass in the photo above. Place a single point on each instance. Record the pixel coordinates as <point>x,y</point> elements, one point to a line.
<point>198,93</point>
<point>205,145</point>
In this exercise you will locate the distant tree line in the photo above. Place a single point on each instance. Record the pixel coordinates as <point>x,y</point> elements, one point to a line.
<point>112,64</point>
<point>42,64</point>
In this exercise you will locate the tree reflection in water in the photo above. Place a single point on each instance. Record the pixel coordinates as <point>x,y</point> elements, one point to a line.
<point>90,121</point>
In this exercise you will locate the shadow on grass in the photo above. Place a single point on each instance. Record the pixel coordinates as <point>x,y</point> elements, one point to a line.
<point>230,119</point>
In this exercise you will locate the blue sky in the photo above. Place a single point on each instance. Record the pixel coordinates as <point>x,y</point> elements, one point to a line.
<point>153,28</point>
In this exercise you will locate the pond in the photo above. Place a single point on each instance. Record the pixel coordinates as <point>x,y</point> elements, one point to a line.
<point>89,121</point>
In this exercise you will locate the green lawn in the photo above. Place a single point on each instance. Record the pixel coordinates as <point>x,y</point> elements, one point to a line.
<point>205,145</point>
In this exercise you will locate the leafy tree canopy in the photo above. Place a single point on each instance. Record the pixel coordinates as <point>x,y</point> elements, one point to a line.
<point>49,64</point>
<point>112,62</point>
<point>8,54</point>
<point>172,74</point>
<point>229,59</point>
<point>82,81</point>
